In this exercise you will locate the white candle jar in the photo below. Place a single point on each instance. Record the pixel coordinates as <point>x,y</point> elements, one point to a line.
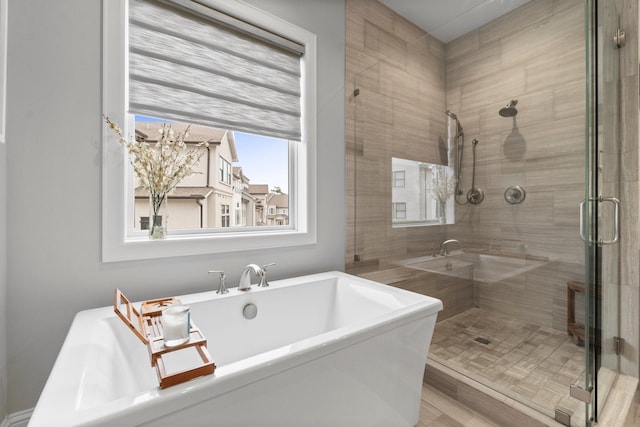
<point>176,325</point>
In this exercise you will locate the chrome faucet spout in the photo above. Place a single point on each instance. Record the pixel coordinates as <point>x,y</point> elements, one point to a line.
<point>444,246</point>
<point>245,277</point>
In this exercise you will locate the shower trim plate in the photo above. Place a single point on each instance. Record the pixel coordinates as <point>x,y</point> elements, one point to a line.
<point>475,196</point>
<point>515,195</point>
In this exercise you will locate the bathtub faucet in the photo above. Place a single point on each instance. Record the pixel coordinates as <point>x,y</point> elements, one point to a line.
<point>444,246</point>
<point>263,279</point>
<point>245,277</point>
<point>222,289</point>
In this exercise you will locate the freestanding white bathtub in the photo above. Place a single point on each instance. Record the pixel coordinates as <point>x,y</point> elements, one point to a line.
<point>327,349</point>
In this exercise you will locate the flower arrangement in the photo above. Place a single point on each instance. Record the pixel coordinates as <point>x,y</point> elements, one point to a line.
<point>160,166</point>
<point>441,185</point>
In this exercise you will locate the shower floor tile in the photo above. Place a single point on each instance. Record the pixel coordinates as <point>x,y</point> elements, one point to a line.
<point>532,364</point>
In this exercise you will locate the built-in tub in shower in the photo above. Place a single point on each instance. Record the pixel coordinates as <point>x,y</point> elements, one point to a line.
<point>502,338</point>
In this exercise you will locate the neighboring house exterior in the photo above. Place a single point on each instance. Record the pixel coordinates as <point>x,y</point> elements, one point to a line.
<point>277,209</point>
<point>271,208</point>
<point>216,196</point>
<point>244,203</point>
<point>260,193</point>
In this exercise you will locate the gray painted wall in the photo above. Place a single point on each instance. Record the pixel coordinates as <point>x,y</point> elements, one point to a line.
<point>54,173</point>
<point>3,281</point>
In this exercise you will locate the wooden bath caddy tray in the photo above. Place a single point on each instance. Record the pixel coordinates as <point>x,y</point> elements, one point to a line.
<point>147,326</point>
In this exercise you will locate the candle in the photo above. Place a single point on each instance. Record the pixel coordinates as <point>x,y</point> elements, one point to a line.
<point>175,325</point>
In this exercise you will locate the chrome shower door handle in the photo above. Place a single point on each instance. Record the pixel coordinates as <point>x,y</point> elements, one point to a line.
<point>582,234</point>
<point>616,220</point>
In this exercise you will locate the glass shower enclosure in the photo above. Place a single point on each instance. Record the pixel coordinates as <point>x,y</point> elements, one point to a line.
<point>608,209</point>
<point>487,171</point>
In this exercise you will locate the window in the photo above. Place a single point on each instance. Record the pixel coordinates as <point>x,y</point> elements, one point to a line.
<point>399,210</point>
<point>398,178</point>
<point>225,216</point>
<point>422,193</point>
<point>144,223</point>
<point>179,85</point>
<point>225,171</point>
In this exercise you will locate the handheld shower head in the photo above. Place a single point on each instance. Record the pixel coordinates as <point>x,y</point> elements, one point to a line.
<point>454,117</point>
<point>509,110</point>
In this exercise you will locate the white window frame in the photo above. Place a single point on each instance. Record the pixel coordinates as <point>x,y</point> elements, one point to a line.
<point>119,241</point>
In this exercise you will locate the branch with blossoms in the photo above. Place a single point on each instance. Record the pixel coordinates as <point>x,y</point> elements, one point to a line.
<point>161,166</point>
<point>441,185</point>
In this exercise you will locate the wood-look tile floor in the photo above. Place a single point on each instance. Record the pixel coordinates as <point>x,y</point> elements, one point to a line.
<point>439,410</point>
<point>531,364</point>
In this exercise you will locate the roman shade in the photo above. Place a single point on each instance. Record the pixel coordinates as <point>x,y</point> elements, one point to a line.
<point>189,62</point>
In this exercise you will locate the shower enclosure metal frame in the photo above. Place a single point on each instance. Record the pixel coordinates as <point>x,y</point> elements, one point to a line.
<point>600,211</point>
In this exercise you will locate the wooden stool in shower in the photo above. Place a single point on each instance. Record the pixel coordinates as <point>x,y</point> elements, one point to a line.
<point>573,329</point>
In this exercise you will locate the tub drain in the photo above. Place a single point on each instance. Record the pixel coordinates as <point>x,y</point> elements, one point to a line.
<point>250,311</point>
<point>483,340</point>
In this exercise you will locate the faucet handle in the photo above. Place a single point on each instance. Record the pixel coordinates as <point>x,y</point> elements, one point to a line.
<point>263,276</point>
<point>222,289</point>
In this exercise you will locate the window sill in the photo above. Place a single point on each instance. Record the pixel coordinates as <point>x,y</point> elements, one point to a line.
<point>140,247</point>
<point>417,224</point>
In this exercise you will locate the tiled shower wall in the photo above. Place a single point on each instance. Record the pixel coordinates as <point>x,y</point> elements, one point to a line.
<point>406,80</point>
<point>619,163</point>
<point>535,55</point>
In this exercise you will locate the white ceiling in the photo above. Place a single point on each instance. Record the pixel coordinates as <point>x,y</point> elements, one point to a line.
<point>447,20</point>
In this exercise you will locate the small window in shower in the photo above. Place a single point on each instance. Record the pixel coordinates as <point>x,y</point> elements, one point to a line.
<point>422,193</point>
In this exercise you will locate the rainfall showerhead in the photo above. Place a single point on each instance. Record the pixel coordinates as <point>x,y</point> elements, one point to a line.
<point>509,110</point>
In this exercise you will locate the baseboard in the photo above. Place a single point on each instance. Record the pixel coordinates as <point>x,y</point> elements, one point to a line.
<point>17,419</point>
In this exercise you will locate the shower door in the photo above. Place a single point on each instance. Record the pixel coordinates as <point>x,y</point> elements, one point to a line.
<point>610,137</point>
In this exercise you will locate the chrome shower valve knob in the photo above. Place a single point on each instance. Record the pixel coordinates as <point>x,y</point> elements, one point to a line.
<point>514,195</point>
